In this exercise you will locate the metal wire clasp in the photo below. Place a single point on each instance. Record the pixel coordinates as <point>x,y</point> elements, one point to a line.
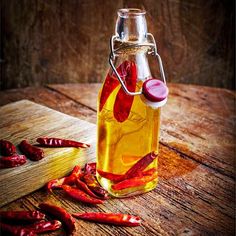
<point>151,44</point>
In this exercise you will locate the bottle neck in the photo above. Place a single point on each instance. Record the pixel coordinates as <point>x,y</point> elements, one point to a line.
<point>131,28</point>
<point>131,25</point>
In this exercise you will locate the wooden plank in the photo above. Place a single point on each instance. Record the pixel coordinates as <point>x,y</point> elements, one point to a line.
<point>28,120</point>
<point>210,100</point>
<point>192,198</point>
<point>200,118</point>
<point>50,99</point>
<point>213,100</point>
<point>187,35</point>
<point>204,124</point>
<point>55,41</point>
<point>68,41</point>
<point>189,199</point>
<point>204,193</point>
<point>86,94</point>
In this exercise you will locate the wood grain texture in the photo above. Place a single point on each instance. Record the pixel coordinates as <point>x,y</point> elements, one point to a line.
<point>209,117</point>
<point>50,99</point>
<point>67,41</point>
<point>27,120</point>
<point>192,39</point>
<point>195,195</point>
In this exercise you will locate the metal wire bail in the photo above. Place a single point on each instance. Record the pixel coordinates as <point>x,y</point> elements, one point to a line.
<point>154,52</point>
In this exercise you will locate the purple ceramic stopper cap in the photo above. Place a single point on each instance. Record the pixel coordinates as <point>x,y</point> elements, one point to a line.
<point>155,90</point>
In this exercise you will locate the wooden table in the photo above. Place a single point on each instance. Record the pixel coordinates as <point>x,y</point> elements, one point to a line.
<point>196,191</point>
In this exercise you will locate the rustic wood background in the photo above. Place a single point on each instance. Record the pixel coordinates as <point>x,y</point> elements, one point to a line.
<point>67,41</point>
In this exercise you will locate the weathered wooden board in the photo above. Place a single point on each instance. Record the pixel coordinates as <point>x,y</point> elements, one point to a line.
<point>196,190</point>
<point>86,94</point>
<point>38,95</point>
<point>28,120</point>
<point>199,118</point>
<point>195,163</point>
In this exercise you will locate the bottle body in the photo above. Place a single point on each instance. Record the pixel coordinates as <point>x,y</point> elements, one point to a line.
<point>122,144</point>
<point>127,125</point>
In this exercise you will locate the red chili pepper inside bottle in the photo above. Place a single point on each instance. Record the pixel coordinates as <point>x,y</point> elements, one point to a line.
<point>129,110</point>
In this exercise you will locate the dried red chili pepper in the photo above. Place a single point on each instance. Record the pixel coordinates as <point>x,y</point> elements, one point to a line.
<point>111,176</point>
<point>118,178</point>
<point>32,152</point>
<point>61,214</point>
<point>76,172</point>
<point>94,186</point>
<point>83,186</point>
<point>12,161</point>
<point>90,168</point>
<point>79,195</point>
<point>7,148</point>
<point>134,182</point>
<point>15,230</point>
<point>123,102</point>
<point>57,142</point>
<point>110,84</point>
<point>68,180</point>
<point>140,165</point>
<point>29,216</point>
<point>149,172</point>
<point>110,218</point>
<point>43,226</point>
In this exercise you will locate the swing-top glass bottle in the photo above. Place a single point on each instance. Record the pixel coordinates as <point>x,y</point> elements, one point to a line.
<point>129,107</point>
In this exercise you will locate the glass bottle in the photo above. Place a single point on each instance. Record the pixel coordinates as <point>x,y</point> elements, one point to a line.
<point>128,118</point>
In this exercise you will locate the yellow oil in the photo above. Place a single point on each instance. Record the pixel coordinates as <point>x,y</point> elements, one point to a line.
<point>121,144</point>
